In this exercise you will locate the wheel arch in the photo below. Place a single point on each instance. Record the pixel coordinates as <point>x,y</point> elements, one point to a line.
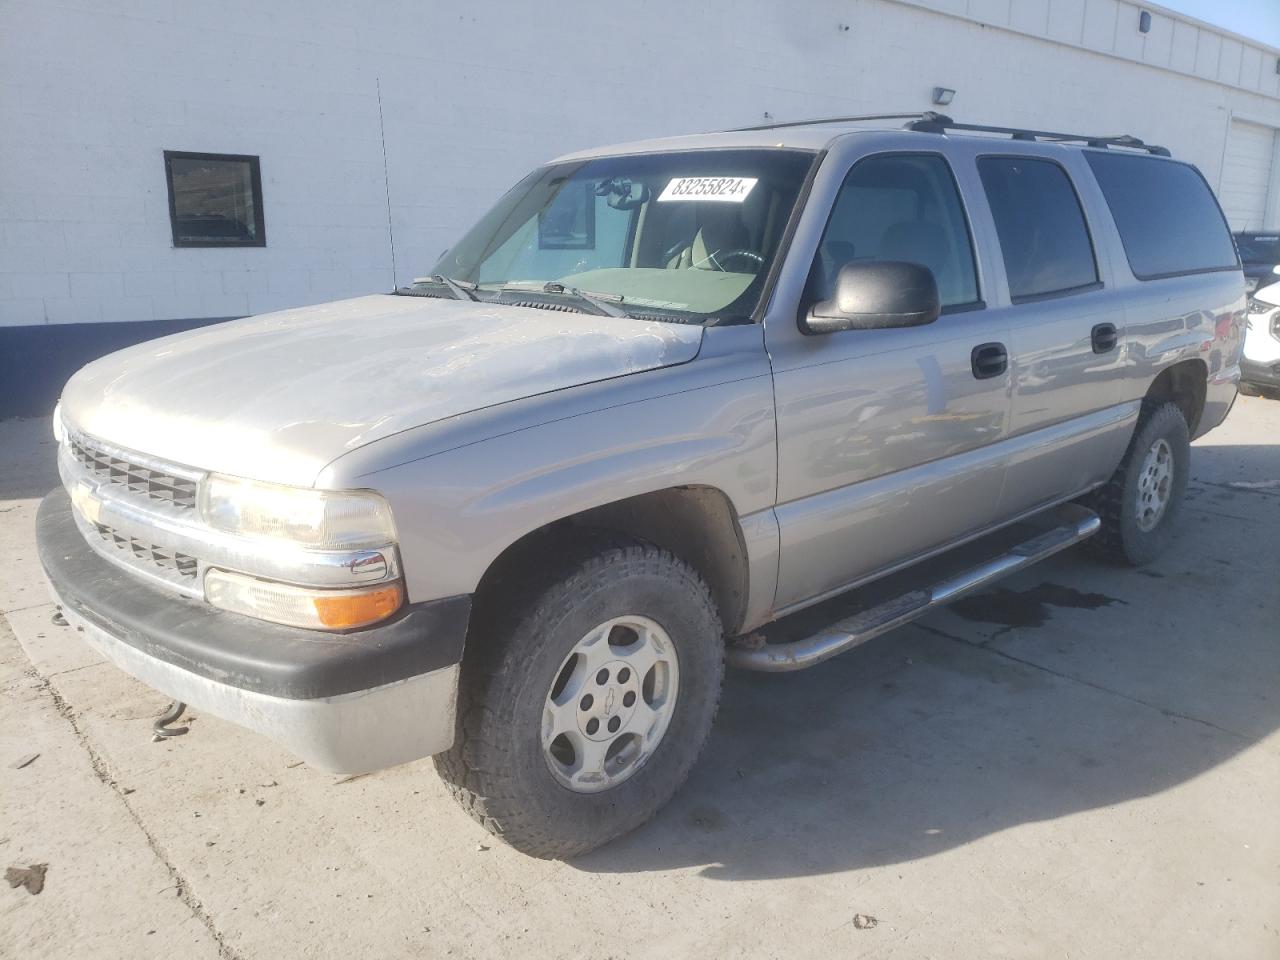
<point>696,523</point>
<point>1184,383</point>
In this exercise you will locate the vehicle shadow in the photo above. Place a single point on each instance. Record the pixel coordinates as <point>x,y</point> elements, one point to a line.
<point>1074,686</point>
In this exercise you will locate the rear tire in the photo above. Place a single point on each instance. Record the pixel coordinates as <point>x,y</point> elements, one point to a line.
<point>556,659</point>
<point>1140,505</point>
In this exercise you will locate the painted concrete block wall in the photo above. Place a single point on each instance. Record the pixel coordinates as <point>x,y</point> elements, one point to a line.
<point>467,96</point>
<point>1110,27</point>
<point>92,98</point>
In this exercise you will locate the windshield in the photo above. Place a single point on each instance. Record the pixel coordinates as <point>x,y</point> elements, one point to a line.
<point>680,236</point>
<point>1258,248</point>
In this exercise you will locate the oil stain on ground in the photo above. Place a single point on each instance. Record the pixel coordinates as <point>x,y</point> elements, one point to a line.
<point>1026,608</point>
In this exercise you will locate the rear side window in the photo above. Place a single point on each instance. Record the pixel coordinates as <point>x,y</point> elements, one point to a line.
<point>1043,235</point>
<point>1168,220</point>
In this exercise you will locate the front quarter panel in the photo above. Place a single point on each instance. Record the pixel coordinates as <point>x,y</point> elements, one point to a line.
<point>462,492</point>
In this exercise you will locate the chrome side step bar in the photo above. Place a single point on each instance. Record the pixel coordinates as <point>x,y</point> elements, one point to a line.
<point>1076,523</point>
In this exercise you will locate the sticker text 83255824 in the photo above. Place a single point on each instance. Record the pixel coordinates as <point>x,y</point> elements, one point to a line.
<point>722,189</point>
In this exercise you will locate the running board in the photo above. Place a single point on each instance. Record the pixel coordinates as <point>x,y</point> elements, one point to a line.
<point>1075,523</point>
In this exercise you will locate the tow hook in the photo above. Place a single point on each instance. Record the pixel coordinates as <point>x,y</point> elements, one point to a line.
<point>161,727</point>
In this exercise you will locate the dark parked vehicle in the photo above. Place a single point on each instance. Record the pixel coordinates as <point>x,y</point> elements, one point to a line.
<point>1260,255</point>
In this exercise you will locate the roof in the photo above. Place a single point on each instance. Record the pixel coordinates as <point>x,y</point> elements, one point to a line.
<point>802,138</point>
<point>819,134</point>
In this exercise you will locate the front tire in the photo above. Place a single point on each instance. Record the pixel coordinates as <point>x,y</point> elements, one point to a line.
<point>583,709</point>
<point>1140,505</point>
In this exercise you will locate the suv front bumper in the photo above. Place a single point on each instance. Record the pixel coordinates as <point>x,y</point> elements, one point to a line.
<point>343,702</point>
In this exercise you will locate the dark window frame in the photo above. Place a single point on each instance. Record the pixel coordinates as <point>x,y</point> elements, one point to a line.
<point>969,306</point>
<point>255,178</point>
<point>1144,277</point>
<point>1098,284</point>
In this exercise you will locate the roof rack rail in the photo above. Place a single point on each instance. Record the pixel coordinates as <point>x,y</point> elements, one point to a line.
<point>930,122</point>
<point>811,123</point>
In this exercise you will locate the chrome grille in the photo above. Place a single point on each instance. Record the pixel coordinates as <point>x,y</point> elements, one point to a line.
<point>152,483</point>
<point>148,553</point>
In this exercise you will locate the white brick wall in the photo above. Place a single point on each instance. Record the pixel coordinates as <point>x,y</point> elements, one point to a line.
<point>474,94</point>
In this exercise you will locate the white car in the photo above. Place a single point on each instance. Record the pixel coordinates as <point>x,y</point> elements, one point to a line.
<point>1260,365</point>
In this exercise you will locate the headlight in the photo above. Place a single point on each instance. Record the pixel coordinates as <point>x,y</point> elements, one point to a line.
<point>319,519</point>
<point>57,422</point>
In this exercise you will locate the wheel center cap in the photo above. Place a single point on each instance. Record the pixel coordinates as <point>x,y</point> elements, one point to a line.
<point>610,701</point>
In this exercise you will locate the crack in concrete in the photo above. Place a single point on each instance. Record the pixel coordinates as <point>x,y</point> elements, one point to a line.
<point>101,771</point>
<point>1260,491</point>
<point>1165,711</point>
<point>83,666</point>
<point>34,606</point>
<point>1218,513</point>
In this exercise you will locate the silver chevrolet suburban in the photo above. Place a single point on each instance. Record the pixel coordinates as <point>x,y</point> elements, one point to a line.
<point>521,513</point>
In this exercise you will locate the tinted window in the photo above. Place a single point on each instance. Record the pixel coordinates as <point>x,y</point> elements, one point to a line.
<point>215,200</point>
<point>1168,220</point>
<point>900,207</point>
<point>1043,236</point>
<point>1255,248</point>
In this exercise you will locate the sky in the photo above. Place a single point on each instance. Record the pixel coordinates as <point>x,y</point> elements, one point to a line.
<point>1256,19</point>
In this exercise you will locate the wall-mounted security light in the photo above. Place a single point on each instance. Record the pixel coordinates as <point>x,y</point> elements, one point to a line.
<point>1144,22</point>
<point>942,96</point>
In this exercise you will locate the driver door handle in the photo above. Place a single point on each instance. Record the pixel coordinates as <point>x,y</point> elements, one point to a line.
<point>989,360</point>
<point>1104,337</point>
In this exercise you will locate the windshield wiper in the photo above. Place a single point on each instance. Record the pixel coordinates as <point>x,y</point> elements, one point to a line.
<point>461,289</point>
<point>605,304</point>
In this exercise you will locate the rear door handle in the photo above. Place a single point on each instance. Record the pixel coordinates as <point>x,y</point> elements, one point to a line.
<point>989,360</point>
<point>1105,337</point>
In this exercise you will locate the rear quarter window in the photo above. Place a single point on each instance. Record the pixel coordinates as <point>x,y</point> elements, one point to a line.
<point>1168,219</point>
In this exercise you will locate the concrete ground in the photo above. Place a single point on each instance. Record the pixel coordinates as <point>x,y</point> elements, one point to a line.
<point>1082,762</point>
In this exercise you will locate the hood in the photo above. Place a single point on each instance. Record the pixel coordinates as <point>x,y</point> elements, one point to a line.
<point>278,396</point>
<point>1269,294</point>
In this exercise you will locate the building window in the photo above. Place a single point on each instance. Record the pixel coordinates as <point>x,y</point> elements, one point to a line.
<point>215,200</point>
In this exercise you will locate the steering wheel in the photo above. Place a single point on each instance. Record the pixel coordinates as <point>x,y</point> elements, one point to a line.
<point>721,259</point>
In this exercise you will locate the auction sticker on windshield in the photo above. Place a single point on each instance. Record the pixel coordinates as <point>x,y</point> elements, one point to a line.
<point>722,189</point>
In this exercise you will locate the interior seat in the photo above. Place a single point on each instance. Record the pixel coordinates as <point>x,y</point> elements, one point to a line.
<point>719,231</point>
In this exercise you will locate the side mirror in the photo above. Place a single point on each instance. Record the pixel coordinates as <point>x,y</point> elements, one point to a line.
<point>874,295</point>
